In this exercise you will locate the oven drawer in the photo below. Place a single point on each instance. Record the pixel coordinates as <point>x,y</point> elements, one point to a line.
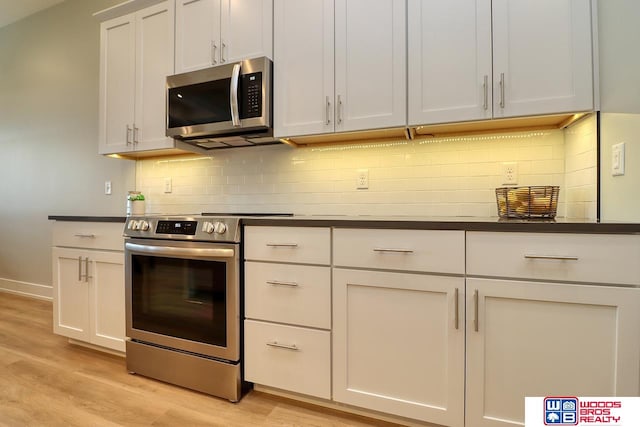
<point>287,293</point>
<point>287,357</point>
<point>595,258</point>
<point>89,235</point>
<point>437,251</point>
<point>304,245</point>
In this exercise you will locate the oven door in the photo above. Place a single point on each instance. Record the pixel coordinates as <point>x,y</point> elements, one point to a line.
<point>184,295</point>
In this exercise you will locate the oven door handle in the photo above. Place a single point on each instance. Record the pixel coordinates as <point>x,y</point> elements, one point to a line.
<point>174,251</point>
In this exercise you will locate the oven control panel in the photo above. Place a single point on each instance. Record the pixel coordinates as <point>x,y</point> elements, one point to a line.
<point>184,228</point>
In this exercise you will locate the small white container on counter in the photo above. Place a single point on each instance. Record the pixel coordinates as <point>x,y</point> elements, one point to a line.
<point>135,203</point>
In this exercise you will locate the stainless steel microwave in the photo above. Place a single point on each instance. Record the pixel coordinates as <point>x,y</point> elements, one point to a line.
<point>223,106</point>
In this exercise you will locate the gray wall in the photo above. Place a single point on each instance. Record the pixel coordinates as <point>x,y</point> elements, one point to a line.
<point>49,69</point>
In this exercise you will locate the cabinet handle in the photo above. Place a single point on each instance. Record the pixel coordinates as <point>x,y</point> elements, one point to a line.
<point>128,134</point>
<point>222,60</point>
<point>282,245</point>
<point>339,109</point>
<point>476,323</point>
<point>557,257</point>
<point>328,111</point>
<point>276,344</point>
<point>393,250</point>
<point>135,134</point>
<point>456,309</point>
<point>214,49</point>
<point>86,270</point>
<point>280,283</point>
<point>79,269</point>
<point>501,90</point>
<point>485,90</point>
<point>91,236</point>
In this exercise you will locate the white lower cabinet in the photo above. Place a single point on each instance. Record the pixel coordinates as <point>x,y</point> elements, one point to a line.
<point>289,357</point>
<point>398,344</point>
<point>542,339</point>
<point>88,283</point>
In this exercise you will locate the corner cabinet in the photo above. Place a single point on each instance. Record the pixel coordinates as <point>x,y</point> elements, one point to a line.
<point>347,57</point>
<point>481,59</point>
<point>136,55</point>
<point>88,283</point>
<point>398,322</point>
<point>528,337</point>
<point>215,32</point>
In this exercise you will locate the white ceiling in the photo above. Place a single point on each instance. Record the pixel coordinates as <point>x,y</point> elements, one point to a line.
<point>14,10</point>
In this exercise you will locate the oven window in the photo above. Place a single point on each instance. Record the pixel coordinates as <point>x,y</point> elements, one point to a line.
<point>200,103</point>
<point>181,298</point>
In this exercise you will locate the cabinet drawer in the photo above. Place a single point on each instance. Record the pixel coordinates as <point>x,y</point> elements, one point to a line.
<point>306,245</point>
<point>440,251</point>
<point>90,235</point>
<point>595,258</point>
<point>288,357</point>
<point>286,293</point>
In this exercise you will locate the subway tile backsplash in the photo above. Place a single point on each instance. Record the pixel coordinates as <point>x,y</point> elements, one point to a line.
<point>453,176</point>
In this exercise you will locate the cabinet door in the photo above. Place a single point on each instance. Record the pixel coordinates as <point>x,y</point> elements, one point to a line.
<point>197,34</point>
<point>398,344</point>
<point>70,294</point>
<point>117,84</point>
<point>542,60</point>
<point>154,62</point>
<point>449,63</point>
<point>107,299</point>
<point>247,29</point>
<point>543,339</point>
<point>303,67</point>
<point>370,55</point>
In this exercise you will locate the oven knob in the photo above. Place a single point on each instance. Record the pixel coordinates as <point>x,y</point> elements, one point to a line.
<point>219,227</point>
<point>135,225</point>
<point>143,225</point>
<point>207,227</point>
<point>131,225</point>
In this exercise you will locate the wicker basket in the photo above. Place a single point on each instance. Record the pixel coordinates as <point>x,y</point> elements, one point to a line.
<point>527,202</point>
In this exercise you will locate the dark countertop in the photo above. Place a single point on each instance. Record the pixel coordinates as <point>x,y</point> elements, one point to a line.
<point>120,219</point>
<point>449,223</point>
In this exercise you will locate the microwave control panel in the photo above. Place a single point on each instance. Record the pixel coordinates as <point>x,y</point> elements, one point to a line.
<point>251,99</point>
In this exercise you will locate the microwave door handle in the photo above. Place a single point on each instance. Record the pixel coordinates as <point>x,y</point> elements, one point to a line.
<point>235,75</point>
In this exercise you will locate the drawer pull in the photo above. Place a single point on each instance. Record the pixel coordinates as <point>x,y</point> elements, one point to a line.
<point>398,251</point>
<point>280,283</point>
<point>282,245</point>
<point>276,344</point>
<point>91,236</point>
<point>557,257</point>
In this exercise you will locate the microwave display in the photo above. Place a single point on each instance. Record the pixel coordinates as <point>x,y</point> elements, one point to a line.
<point>209,102</point>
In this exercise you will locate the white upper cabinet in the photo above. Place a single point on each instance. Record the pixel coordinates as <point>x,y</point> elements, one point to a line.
<point>214,32</point>
<point>542,59</point>
<point>361,43</point>
<point>370,57</point>
<point>303,64</point>
<point>136,55</point>
<point>449,64</point>
<point>481,59</point>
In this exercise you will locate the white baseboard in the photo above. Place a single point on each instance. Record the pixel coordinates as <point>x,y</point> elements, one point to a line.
<point>32,290</point>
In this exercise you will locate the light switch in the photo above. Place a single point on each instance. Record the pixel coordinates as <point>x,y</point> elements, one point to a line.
<point>617,159</point>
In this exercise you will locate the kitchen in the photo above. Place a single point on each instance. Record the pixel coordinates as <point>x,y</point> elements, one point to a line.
<point>49,133</point>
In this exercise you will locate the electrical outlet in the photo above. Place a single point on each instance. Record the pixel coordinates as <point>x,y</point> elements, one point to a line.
<point>363,179</point>
<point>167,185</point>
<point>107,187</point>
<point>509,173</point>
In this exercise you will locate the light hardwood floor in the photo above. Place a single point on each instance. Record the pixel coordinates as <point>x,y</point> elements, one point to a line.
<point>45,381</point>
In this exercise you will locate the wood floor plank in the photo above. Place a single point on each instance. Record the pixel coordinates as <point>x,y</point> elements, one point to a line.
<point>45,381</point>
